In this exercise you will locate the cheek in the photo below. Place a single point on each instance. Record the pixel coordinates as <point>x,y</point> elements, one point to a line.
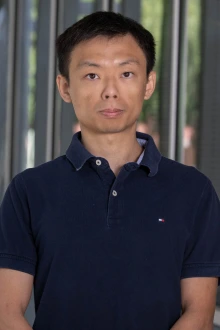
<point>135,95</point>
<point>81,98</point>
<point>83,104</point>
<point>137,88</point>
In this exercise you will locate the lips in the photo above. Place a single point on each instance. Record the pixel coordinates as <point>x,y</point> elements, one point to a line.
<point>111,112</point>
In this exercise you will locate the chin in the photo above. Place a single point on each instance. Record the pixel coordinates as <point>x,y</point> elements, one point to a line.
<point>110,127</point>
<point>114,130</point>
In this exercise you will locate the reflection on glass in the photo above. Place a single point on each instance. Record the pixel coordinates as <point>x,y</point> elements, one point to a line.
<point>152,16</point>
<point>117,6</point>
<point>30,138</point>
<point>193,82</point>
<point>151,19</point>
<point>86,7</point>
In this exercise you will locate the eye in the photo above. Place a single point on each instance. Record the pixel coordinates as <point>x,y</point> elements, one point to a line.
<point>92,76</point>
<point>128,74</point>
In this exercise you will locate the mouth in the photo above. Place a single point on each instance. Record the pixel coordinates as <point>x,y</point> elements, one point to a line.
<point>111,113</point>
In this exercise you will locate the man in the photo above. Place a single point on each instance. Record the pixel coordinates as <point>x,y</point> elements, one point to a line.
<point>113,235</point>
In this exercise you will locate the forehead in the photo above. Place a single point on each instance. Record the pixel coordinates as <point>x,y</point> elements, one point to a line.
<point>106,49</point>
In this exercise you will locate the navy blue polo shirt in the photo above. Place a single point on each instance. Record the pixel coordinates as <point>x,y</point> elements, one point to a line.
<point>109,252</point>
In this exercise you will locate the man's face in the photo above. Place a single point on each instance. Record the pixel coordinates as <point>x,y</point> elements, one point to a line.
<point>107,83</point>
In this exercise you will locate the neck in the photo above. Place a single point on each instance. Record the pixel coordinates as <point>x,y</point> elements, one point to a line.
<point>118,148</point>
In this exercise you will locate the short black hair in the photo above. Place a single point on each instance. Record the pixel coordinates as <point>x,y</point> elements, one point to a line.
<point>107,24</point>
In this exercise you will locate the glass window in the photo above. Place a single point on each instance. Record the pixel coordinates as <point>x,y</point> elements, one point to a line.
<point>24,86</point>
<point>32,68</point>
<point>193,82</point>
<point>152,19</point>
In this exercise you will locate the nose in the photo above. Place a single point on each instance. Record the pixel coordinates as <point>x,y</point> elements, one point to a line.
<point>110,90</point>
<point>108,96</point>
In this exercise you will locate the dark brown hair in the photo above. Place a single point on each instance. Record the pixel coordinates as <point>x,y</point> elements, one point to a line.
<point>107,24</point>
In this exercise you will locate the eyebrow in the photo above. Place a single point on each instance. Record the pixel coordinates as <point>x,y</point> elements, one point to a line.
<point>93,64</point>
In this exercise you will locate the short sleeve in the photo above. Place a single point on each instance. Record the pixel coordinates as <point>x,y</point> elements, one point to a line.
<point>202,252</point>
<point>17,249</point>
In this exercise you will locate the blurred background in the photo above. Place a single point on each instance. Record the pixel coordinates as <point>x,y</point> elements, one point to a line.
<point>183,116</point>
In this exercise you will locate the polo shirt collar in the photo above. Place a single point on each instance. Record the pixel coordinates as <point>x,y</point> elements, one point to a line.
<point>78,155</point>
<point>152,156</point>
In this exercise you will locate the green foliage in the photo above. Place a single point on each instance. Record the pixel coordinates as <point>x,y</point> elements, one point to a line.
<point>87,1</point>
<point>151,19</point>
<point>32,66</point>
<point>194,61</point>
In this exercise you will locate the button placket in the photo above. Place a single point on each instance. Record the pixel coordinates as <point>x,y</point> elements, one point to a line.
<point>115,205</point>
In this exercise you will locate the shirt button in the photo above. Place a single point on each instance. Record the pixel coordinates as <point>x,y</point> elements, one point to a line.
<point>114,193</point>
<point>98,162</point>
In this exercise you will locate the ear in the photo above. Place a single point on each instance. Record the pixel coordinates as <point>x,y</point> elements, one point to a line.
<point>150,85</point>
<point>63,87</point>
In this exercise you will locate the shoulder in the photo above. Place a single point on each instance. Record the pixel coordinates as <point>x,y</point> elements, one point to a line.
<point>177,169</point>
<point>49,173</point>
<point>183,178</point>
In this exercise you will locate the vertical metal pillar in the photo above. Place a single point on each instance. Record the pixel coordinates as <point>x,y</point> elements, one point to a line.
<point>132,9</point>
<point>169,79</point>
<point>45,81</point>
<point>21,91</point>
<point>182,86</point>
<point>7,57</point>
